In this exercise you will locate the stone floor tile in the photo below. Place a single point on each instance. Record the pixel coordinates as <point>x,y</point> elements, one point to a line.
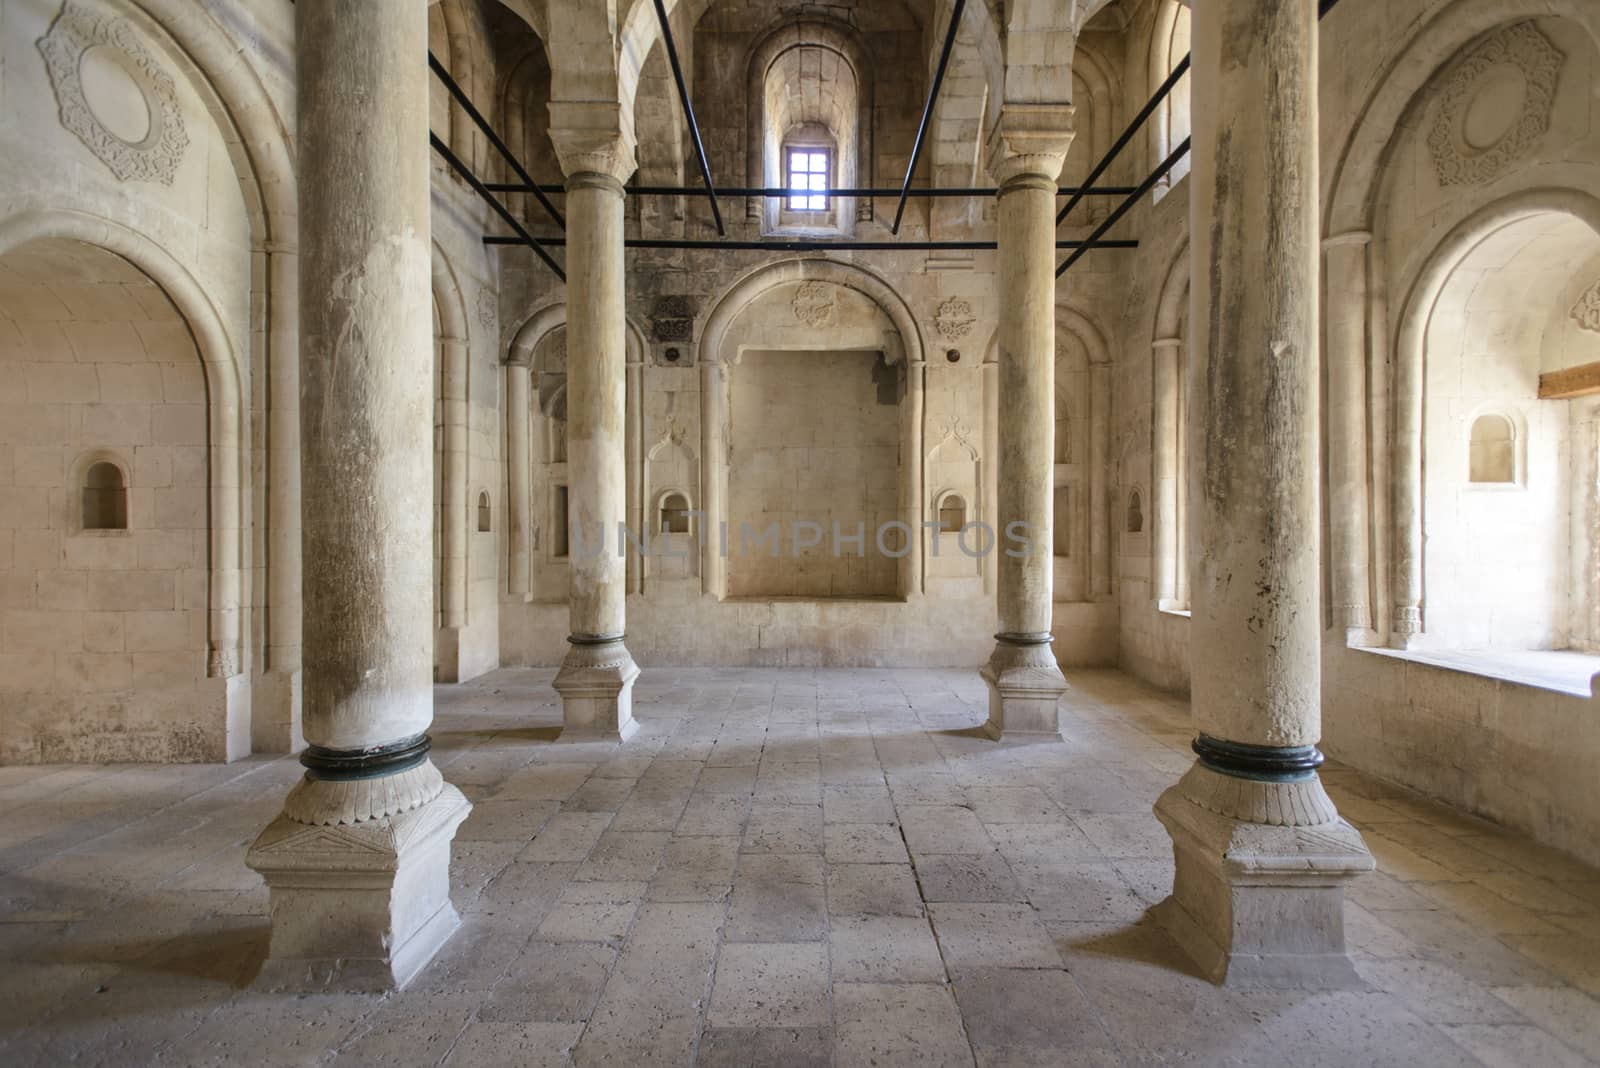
<point>778,898</point>
<point>873,890</point>
<point>1079,892</point>
<point>864,843</point>
<point>992,935</point>
<point>1041,1010</point>
<point>625,856</point>
<point>592,912</point>
<point>943,829</point>
<point>882,949</point>
<point>967,877</point>
<point>514,1045</point>
<point>766,1047</point>
<point>553,982</point>
<point>714,814</point>
<point>568,836</point>
<point>879,1025</point>
<point>857,804</point>
<point>772,984</point>
<point>1013,804</point>
<point>1511,1046</point>
<point>696,869</point>
<point>779,827</point>
<point>1570,1015</point>
<point>1435,992</point>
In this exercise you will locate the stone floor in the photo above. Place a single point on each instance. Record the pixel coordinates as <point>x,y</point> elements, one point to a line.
<point>788,868</point>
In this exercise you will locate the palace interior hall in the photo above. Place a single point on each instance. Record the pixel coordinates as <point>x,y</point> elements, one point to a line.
<point>800,533</point>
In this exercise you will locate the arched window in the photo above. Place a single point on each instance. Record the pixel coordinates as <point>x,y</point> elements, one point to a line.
<point>1135,513</point>
<point>105,497</point>
<point>952,514</point>
<point>674,514</point>
<point>1061,521</point>
<point>1492,451</point>
<point>1170,126</point>
<point>483,513</point>
<point>559,512</point>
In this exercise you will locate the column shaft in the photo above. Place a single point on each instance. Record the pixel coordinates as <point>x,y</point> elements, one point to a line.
<point>1167,536</point>
<point>519,479</point>
<point>1346,288</point>
<point>1099,474</point>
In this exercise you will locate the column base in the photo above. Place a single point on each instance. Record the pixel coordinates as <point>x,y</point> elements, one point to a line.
<point>358,907</point>
<point>1258,891</point>
<point>596,687</point>
<point>1025,688</point>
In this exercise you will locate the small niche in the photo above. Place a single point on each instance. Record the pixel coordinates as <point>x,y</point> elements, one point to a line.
<point>559,532</point>
<point>1135,513</point>
<point>674,514</point>
<point>952,514</point>
<point>484,517</point>
<point>1492,452</point>
<point>105,498</point>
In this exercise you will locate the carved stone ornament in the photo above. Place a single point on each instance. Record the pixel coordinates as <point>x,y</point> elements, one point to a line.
<point>1480,129</point>
<point>672,319</point>
<point>813,304</point>
<point>954,319</point>
<point>1586,312</point>
<point>117,64</point>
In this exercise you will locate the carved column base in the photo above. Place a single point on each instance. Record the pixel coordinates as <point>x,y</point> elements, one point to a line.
<point>596,687</point>
<point>1258,893</point>
<point>358,906</point>
<point>1025,688</point>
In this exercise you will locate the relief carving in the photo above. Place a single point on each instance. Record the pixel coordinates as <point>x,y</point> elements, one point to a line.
<point>813,304</point>
<point>954,319</point>
<point>672,319</point>
<point>1471,142</point>
<point>1586,312</point>
<point>76,32</point>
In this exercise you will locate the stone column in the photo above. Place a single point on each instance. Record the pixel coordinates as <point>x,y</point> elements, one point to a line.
<point>596,677</point>
<point>1099,472</point>
<point>1347,432</point>
<point>358,863</point>
<point>913,495</point>
<point>519,480</point>
<point>1261,854</point>
<point>991,464</point>
<point>714,446</point>
<point>1168,533</point>
<point>1026,150</point>
<point>454,507</point>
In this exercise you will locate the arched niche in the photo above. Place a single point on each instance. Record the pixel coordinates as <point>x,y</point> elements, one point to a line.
<point>169,393</point>
<point>823,326</point>
<point>1170,446</point>
<point>1169,45</point>
<point>1490,312</point>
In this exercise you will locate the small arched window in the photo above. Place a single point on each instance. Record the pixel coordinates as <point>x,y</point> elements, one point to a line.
<point>952,514</point>
<point>1135,513</point>
<point>674,514</point>
<point>1492,452</point>
<point>105,497</point>
<point>484,514</point>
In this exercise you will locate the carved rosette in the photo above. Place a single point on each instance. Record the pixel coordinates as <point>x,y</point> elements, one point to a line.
<point>1586,312</point>
<point>954,319</point>
<point>1521,48</point>
<point>814,304</point>
<point>77,30</point>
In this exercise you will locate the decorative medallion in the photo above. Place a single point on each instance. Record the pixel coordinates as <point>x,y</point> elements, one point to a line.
<point>672,319</point>
<point>114,94</point>
<point>1586,313</point>
<point>1495,105</point>
<point>813,304</point>
<point>954,319</point>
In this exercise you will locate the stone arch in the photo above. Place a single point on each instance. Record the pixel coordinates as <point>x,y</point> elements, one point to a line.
<point>1170,124</point>
<point>1407,533</point>
<point>739,296</point>
<point>228,454</point>
<point>1168,506</point>
<point>451,398</point>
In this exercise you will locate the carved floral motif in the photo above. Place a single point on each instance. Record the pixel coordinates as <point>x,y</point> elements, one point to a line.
<point>1586,312</point>
<point>1520,46</point>
<point>77,30</point>
<point>954,319</point>
<point>813,304</point>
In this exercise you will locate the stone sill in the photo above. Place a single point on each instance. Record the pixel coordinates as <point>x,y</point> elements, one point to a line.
<point>1168,610</point>
<point>1558,670</point>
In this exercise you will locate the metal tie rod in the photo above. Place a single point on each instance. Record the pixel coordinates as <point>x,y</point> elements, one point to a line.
<point>927,109</point>
<point>494,138</point>
<point>688,111</point>
<point>500,209</point>
<point>818,245</point>
<point>1127,135</point>
<point>1122,209</point>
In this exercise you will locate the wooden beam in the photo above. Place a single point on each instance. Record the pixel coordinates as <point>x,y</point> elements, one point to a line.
<point>1580,381</point>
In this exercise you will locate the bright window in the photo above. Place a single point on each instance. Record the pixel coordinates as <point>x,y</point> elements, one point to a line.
<point>808,179</point>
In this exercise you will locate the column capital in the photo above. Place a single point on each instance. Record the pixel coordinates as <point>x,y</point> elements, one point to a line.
<point>590,137</point>
<point>1030,140</point>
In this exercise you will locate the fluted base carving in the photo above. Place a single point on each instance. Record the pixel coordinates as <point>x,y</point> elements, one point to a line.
<point>322,802</point>
<point>1258,888</point>
<point>1025,688</point>
<point>596,687</point>
<point>361,906</point>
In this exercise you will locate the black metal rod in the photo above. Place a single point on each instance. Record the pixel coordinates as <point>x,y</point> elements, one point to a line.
<point>927,109</point>
<point>494,138</point>
<point>817,245</point>
<point>1122,209</point>
<point>1128,135</point>
<point>688,112</point>
<point>779,191</point>
<point>493,202</point>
